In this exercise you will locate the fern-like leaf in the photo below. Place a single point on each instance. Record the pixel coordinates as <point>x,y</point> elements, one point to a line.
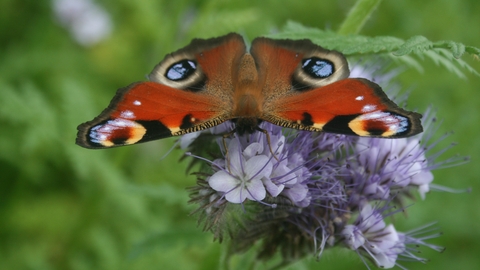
<point>445,52</point>
<point>414,44</point>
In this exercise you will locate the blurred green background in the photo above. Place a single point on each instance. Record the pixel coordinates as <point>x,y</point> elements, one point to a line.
<point>65,207</point>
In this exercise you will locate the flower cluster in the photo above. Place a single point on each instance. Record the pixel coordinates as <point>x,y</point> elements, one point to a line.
<point>299,192</point>
<point>87,22</point>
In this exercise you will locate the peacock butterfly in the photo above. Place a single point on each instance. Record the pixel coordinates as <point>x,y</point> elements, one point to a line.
<point>290,83</point>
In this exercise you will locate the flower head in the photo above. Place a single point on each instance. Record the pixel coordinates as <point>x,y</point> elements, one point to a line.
<point>255,165</point>
<point>246,170</point>
<point>383,244</point>
<point>302,192</point>
<point>370,234</point>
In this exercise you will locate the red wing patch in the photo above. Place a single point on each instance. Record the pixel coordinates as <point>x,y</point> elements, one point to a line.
<point>349,106</point>
<point>148,111</point>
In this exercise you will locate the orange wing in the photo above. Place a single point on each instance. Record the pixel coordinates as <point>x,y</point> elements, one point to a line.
<point>190,90</point>
<point>306,87</point>
<point>349,106</point>
<point>148,111</point>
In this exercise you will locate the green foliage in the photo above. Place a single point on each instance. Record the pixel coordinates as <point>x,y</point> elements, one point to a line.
<point>64,207</point>
<point>445,53</point>
<point>358,15</point>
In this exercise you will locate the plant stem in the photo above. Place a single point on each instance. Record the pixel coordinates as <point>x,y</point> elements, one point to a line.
<point>224,257</point>
<point>357,16</point>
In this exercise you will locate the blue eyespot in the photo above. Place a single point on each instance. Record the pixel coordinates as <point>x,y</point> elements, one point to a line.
<point>318,68</point>
<point>181,70</point>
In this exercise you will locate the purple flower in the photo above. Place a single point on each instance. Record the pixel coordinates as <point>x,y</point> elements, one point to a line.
<point>378,169</point>
<point>250,169</point>
<point>88,22</point>
<point>370,234</point>
<point>246,170</point>
<point>302,192</point>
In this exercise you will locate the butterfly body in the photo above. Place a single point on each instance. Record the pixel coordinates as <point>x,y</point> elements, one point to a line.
<point>290,83</point>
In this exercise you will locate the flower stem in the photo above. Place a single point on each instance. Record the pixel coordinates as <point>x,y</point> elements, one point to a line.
<point>224,258</point>
<point>357,16</point>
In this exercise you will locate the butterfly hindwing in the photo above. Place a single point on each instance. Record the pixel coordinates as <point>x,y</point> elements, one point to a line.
<point>148,111</point>
<point>350,106</point>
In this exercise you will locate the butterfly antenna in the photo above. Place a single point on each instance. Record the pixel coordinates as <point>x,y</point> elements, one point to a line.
<point>268,141</point>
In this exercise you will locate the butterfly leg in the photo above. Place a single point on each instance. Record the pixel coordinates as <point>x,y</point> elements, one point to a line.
<point>268,141</point>
<point>232,132</point>
<point>224,141</point>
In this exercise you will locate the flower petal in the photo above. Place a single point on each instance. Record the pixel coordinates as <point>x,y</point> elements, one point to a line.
<point>237,195</point>
<point>235,158</point>
<point>353,237</point>
<point>222,181</point>
<point>258,167</point>
<point>296,193</point>
<point>272,188</point>
<point>255,190</point>
<point>252,150</point>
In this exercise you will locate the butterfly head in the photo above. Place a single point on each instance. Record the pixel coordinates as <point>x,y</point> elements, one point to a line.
<point>246,125</point>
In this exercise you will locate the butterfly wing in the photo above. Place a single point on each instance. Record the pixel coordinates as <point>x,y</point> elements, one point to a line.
<point>306,87</point>
<point>190,90</point>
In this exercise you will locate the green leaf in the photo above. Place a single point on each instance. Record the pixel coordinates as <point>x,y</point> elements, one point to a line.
<point>441,60</point>
<point>347,44</point>
<point>409,61</point>
<point>452,59</point>
<point>473,51</point>
<point>457,49</point>
<point>416,44</point>
<point>445,52</point>
<point>358,15</point>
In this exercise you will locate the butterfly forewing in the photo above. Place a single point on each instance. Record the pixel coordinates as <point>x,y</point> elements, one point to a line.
<point>280,65</point>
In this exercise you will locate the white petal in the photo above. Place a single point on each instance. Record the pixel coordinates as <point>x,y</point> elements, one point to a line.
<point>187,139</point>
<point>272,188</point>
<point>288,177</point>
<point>255,190</point>
<point>237,195</point>
<point>385,247</point>
<point>235,158</point>
<point>384,261</point>
<point>222,181</point>
<point>258,167</point>
<point>422,178</point>
<point>297,193</point>
<point>353,237</point>
<point>423,189</point>
<point>252,150</point>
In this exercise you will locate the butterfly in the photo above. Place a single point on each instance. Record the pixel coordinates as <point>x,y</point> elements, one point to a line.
<point>290,83</point>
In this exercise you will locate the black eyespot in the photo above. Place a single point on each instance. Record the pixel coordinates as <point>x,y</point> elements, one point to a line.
<point>181,70</point>
<point>318,68</point>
